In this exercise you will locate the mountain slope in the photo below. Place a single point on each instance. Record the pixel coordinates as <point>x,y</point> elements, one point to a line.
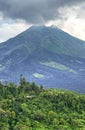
<point>46,55</point>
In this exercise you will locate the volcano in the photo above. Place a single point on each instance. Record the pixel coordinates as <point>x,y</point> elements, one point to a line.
<point>45,55</point>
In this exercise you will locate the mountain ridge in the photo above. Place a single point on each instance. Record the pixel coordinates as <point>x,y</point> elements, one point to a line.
<point>42,26</point>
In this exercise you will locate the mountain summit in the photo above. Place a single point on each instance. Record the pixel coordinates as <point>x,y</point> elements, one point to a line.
<point>46,55</point>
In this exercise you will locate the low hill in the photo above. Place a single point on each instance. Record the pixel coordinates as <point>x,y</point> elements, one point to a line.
<point>29,107</point>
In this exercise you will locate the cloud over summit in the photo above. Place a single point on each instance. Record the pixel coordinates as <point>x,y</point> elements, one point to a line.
<point>35,11</point>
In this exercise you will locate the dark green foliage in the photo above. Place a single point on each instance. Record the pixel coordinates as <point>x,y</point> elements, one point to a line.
<point>29,107</point>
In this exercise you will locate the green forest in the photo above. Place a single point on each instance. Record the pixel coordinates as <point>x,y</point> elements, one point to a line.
<point>27,106</point>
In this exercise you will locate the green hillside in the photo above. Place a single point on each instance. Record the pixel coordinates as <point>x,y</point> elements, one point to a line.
<point>29,107</point>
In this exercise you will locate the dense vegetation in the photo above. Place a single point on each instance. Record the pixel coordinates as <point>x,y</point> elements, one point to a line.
<point>29,107</point>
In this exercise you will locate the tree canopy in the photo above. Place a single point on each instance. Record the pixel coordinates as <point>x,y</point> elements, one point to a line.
<point>28,106</point>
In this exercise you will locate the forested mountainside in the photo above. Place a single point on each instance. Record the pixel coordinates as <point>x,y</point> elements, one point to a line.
<point>31,107</point>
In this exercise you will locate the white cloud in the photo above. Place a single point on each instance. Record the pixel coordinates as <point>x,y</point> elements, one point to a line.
<point>71,22</point>
<point>75,27</point>
<point>74,24</point>
<point>10,29</point>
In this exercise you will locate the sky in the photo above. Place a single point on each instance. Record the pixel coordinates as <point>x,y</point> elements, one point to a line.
<point>18,15</point>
